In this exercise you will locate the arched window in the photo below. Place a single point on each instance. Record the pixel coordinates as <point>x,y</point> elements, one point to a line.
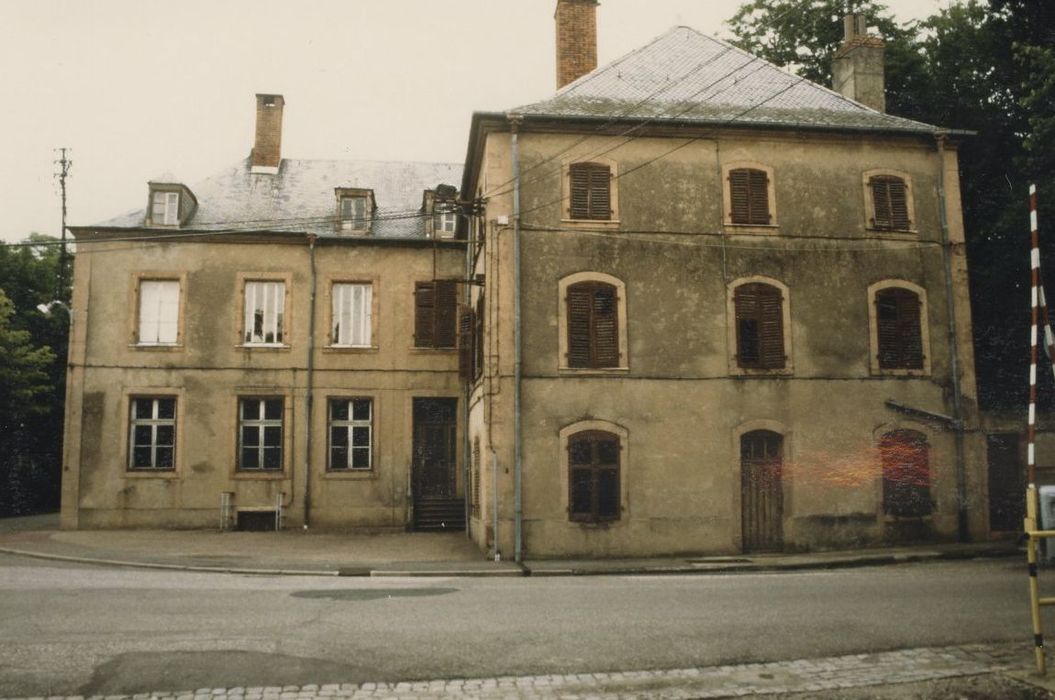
<point>762,491</point>
<point>759,326</point>
<point>898,331</point>
<point>906,473</point>
<point>749,197</point>
<point>593,325</point>
<point>890,203</point>
<point>593,476</point>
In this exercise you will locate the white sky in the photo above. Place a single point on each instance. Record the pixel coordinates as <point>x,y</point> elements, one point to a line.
<point>138,88</point>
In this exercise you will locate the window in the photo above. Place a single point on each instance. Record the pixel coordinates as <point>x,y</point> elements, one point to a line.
<point>260,434</point>
<point>478,338</point>
<point>445,219</point>
<point>152,433</point>
<point>890,203</point>
<point>466,344</point>
<point>593,325</point>
<point>435,314</point>
<point>590,191</point>
<point>158,312</point>
<point>265,306</point>
<point>352,315</point>
<point>759,326</point>
<point>355,213</point>
<point>165,209</point>
<point>593,476</point>
<point>906,474</point>
<point>898,333</point>
<point>351,434</point>
<point>749,197</point>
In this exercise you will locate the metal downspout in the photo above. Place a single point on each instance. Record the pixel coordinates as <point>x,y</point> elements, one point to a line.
<point>309,394</point>
<point>466,450</point>
<point>518,547</point>
<point>954,352</point>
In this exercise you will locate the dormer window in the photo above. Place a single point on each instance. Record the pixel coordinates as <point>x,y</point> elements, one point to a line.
<point>170,204</point>
<point>166,209</point>
<point>445,219</point>
<point>355,209</point>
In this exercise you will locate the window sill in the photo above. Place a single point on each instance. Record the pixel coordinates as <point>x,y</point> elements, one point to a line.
<point>350,349</point>
<point>157,347</point>
<point>264,346</point>
<point>592,371</point>
<point>879,372</point>
<point>591,223</point>
<point>899,234</point>
<point>595,525</point>
<point>350,474</point>
<point>260,474</point>
<point>150,474</point>
<point>767,229</point>
<point>887,518</point>
<point>748,373</point>
<point>433,351</point>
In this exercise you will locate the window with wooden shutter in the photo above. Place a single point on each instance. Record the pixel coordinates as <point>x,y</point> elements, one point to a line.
<point>590,191</point>
<point>435,314</point>
<point>593,476</point>
<point>478,338</point>
<point>889,203</point>
<point>749,197</point>
<point>906,474</point>
<point>466,344</point>
<point>900,338</point>
<point>593,325</point>
<point>759,326</point>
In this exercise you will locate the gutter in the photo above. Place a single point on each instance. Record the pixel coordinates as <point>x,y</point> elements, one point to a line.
<point>309,394</point>
<point>518,537</point>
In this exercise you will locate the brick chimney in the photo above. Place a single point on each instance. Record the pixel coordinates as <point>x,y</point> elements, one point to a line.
<point>267,149</point>
<point>576,39</point>
<point>859,65</point>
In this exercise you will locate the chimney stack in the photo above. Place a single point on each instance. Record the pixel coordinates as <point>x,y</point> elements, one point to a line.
<point>859,65</point>
<point>267,149</point>
<point>576,39</point>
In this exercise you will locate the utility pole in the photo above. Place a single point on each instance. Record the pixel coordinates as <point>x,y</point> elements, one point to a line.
<point>64,164</point>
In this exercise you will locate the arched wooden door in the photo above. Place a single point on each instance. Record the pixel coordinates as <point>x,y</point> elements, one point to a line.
<point>762,491</point>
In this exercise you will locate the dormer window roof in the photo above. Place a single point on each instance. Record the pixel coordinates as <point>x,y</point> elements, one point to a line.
<point>355,209</point>
<point>170,204</point>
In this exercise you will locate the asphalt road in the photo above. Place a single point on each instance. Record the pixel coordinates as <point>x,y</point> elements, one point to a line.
<point>67,629</point>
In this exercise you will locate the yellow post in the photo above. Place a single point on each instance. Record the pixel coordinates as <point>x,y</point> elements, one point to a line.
<point>1034,589</point>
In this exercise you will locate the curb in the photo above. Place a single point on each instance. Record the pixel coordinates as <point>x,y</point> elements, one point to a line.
<point>168,567</point>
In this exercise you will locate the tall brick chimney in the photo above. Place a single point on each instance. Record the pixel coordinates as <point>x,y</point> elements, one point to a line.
<point>576,39</point>
<point>267,149</point>
<point>859,65</point>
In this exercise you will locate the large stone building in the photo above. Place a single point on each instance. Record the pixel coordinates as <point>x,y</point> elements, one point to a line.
<point>705,306</point>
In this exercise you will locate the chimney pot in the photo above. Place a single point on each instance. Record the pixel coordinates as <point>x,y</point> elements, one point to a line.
<point>859,65</point>
<point>576,22</point>
<point>267,147</point>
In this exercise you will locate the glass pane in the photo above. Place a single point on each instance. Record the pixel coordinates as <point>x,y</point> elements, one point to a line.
<point>339,410</point>
<point>339,436</point>
<point>272,458</point>
<point>142,408</point>
<point>273,409</point>
<point>579,451</point>
<point>608,452</point>
<point>608,493</point>
<point>338,458</point>
<point>166,435</point>
<point>141,457</point>
<point>250,409</point>
<point>250,458</point>
<point>360,458</point>
<point>581,496</point>
<point>272,436</point>
<point>166,408</point>
<point>250,436</point>
<point>141,435</point>
<point>361,409</point>
<point>164,457</point>
<point>361,437</point>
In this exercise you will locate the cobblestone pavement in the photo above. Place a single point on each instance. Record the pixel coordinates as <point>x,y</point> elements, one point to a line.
<point>853,671</point>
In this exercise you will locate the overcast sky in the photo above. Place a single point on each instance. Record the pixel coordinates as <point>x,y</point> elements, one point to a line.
<point>139,88</point>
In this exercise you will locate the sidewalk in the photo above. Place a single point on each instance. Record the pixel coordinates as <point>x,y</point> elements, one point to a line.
<point>402,554</point>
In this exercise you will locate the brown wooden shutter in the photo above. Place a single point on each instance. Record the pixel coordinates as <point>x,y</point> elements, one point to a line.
<point>605,309</point>
<point>600,192</point>
<point>590,191</point>
<point>746,303</point>
<point>446,313</point>
<point>900,338</point>
<point>424,306</point>
<point>749,196</point>
<point>478,337</point>
<point>466,343</point>
<point>580,191</point>
<point>890,202</point>
<point>771,327</point>
<point>578,310</point>
<point>738,193</point>
<point>910,330</point>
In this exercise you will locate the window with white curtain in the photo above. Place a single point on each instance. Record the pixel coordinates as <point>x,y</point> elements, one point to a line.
<point>352,314</point>
<point>158,312</point>
<point>265,312</point>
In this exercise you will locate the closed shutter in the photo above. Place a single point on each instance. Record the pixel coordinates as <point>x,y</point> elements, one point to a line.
<point>593,325</point>
<point>749,196</point>
<point>590,191</point>
<point>446,313</point>
<point>771,323</point>
<point>424,304</point>
<point>909,329</point>
<point>759,326</point>
<point>478,338</point>
<point>579,302</point>
<point>900,339</point>
<point>466,349</point>
<point>890,202</point>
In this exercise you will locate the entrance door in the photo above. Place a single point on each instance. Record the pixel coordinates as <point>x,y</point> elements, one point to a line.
<point>762,492</point>
<point>1006,483</point>
<point>435,427</point>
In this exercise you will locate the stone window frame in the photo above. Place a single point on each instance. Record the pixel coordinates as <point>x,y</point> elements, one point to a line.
<point>370,207</point>
<point>622,311</point>
<point>373,423</point>
<point>869,203</point>
<point>375,312</point>
<point>933,468</point>
<point>136,279</point>
<point>730,328</point>
<point>873,329</point>
<point>128,395</point>
<point>243,278</point>
<point>623,434</point>
<point>773,226</point>
<point>613,194</point>
<point>260,473</point>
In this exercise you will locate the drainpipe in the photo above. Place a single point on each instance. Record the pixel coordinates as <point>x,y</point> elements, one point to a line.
<point>466,449</point>
<point>309,394</point>
<point>494,502</point>
<point>954,353</point>
<point>518,550</point>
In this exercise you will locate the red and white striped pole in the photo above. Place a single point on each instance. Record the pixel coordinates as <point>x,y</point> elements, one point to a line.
<point>1030,523</point>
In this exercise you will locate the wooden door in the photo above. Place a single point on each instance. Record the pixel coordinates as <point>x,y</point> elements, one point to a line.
<point>762,491</point>
<point>435,430</point>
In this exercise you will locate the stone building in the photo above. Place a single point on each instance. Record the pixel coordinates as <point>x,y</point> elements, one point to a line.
<point>690,303</point>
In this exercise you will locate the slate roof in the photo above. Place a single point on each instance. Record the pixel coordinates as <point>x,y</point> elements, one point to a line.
<point>301,197</point>
<point>687,76</point>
